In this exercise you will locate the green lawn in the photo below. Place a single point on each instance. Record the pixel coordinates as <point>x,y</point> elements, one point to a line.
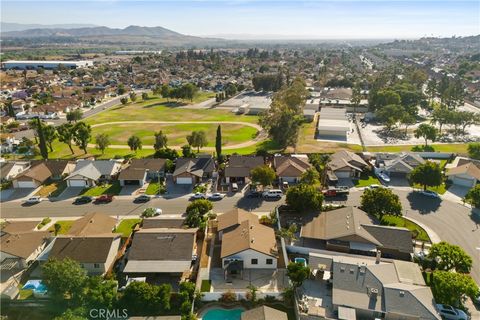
<point>460,148</point>
<point>109,188</point>
<point>65,225</point>
<point>418,232</point>
<point>176,133</point>
<point>155,188</point>
<point>25,294</point>
<point>52,189</point>
<point>158,109</point>
<point>126,226</point>
<point>441,189</point>
<point>366,180</point>
<point>206,285</point>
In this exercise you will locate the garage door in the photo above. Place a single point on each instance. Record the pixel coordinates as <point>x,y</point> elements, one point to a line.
<point>184,180</point>
<point>342,174</point>
<point>26,184</point>
<point>77,183</point>
<point>463,182</point>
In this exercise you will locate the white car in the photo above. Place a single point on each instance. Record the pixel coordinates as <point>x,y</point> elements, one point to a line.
<point>216,196</point>
<point>33,200</point>
<point>451,313</point>
<point>430,194</point>
<point>197,196</point>
<point>374,186</point>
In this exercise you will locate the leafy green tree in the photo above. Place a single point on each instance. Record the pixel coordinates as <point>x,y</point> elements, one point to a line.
<point>100,293</point>
<point>288,233</point>
<point>195,220</point>
<point>198,139</point>
<point>160,140</point>
<point>431,90</point>
<point>124,100</point>
<point>42,143</point>
<point>69,314</point>
<point>473,196</point>
<point>426,132</point>
<point>310,177</point>
<point>57,227</point>
<point>189,91</point>
<point>82,135</point>
<point>356,97</point>
<point>304,197</point>
<point>389,115</point>
<point>218,142</point>
<point>187,152</point>
<point>121,89</point>
<point>141,298</point>
<point>74,115</point>
<point>50,134</point>
<point>407,120</point>
<point>103,141</point>
<point>441,116</point>
<point>203,206</point>
<point>382,98</point>
<point>449,257</point>
<point>134,143</point>
<point>381,201</point>
<point>144,96</point>
<point>133,96</point>
<point>428,174</point>
<point>65,134</point>
<point>450,287</point>
<point>297,272</point>
<point>65,279</point>
<point>165,91</point>
<point>263,175</point>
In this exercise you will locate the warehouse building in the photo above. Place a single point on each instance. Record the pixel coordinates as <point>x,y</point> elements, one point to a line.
<point>52,64</point>
<point>333,124</point>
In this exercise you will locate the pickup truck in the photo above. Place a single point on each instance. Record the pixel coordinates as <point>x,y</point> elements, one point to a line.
<point>336,191</point>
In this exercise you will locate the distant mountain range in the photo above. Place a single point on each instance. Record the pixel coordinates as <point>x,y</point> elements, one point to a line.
<point>10,26</point>
<point>130,35</point>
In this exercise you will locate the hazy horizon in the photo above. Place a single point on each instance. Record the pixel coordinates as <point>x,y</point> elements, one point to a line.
<point>257,20</point>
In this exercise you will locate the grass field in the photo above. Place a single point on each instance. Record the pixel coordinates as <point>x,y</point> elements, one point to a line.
<point>126,226</point>
<point>112,189</point>
<point>176,133</point>
<point>418,232</point>
<point>460,148</point>
<point>366,180</point>
<point>65,225</point>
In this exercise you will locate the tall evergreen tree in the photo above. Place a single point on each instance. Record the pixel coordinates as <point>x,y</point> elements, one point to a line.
<point>41,137</point>
<point>218,142</point>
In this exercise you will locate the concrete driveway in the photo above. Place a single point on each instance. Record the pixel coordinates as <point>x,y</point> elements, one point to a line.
<point>456,193</point>
<point>16,194</point>
<point>177,190</point>
<point>69,193</point>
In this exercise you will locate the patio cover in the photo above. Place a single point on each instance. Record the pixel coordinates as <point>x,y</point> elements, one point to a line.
<point>345,313</point>
<point>363,246</point>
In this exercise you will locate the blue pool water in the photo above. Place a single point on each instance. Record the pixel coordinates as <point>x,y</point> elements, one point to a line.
<point>35,285</point>
<point>222,314</point>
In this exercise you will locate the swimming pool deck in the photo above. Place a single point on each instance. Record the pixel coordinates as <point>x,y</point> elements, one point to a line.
<point>264,280</point>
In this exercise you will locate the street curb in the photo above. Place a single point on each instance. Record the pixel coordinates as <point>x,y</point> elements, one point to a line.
<point>431,234</point>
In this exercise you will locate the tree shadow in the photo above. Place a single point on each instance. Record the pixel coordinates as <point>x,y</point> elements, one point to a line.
<point>422,203</point>
<point>169,104</point>
<point>475,216</point>
<point>249,203</point>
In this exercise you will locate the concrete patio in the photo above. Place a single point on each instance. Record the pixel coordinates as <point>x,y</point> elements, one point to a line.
<point>263,279</point>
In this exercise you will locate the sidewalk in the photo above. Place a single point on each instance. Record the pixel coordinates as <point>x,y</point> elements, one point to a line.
<point>431,234</point>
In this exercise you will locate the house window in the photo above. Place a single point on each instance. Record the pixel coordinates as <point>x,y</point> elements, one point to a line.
<point>254,261</point>
<point>269,261</point>
<point>96,265</point>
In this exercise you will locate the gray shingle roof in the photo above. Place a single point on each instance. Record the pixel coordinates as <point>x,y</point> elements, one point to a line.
<point>83,249</point>
<point>195,166</point>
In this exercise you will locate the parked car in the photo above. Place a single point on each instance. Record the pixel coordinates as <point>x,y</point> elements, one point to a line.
<point>106,198</point>
<point>142,198</point>
<point>338,191</point>
<point>33,200</point>
<point>197,196</point>
<point>273,194</point>
<point>254,194</point>
<point>451,313</point>
<point>430,194</point>
<point>83,200</point>
<point>374,186</point>
<point>216,196</point>
<point>234,187</point>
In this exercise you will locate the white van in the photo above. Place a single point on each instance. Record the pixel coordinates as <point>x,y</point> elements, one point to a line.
<point>273,194</point>
<point>234,187</point>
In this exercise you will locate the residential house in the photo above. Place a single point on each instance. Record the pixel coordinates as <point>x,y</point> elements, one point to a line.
<point>162,222</point>
<point>88,173</point>
<point>19,248</point>
<point>94,223</point>
<point>397,164</point>
<point>141,170</point>
<point>167,252</point>
<point>95,253</point>
<point>193,170</point>
<point>351,230</point>
<point>32,177</point>
<point>263,313</point>
<point>9,170</point>
<point>345,164</point>
<point>59,168</point>
<point>290,169</point>
<point>239,167</point>
<point>245,243</point>
<point>372,288</point>
<point>464,172</point>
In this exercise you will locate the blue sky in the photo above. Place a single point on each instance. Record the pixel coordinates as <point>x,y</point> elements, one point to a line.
<point>291,19</point>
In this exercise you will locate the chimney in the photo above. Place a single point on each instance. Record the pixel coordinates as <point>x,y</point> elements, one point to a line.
<point>378,256</point>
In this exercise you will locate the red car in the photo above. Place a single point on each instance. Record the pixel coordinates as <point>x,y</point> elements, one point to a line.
<point>104,198</point>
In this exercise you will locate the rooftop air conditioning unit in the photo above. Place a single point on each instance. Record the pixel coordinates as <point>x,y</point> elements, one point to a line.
<point>373,290</point>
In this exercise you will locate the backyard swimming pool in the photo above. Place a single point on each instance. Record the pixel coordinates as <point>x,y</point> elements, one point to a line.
<point>222,314</point>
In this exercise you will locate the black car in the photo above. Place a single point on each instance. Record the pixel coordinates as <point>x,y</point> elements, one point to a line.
<point>142,198</point>
<point>83,200</point>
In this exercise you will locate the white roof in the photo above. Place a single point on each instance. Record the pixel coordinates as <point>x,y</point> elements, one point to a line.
<point>89,171</point>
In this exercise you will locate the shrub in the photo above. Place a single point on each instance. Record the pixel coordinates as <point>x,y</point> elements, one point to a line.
<point>228,296</point>
<point>44,222</point>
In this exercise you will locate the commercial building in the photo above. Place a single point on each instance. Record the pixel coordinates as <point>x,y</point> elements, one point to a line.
<point>333,124</point>
<point>51,64</point>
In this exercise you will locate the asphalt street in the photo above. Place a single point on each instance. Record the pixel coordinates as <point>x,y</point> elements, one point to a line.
<point>451,221</point>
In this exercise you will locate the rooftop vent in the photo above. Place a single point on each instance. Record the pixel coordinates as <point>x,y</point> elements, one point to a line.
<point>402,293</point>
<point>373,290</point>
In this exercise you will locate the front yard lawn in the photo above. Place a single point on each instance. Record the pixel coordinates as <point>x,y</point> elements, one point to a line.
<point>418,233</point>
<point>126,226</point>
<point>366,180</point>
<point>109,188</point>
<point>25,294</point>
<point>155,188</point>
<point>52,189</point>
<point>65,226</point>
<point>441,189</point>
